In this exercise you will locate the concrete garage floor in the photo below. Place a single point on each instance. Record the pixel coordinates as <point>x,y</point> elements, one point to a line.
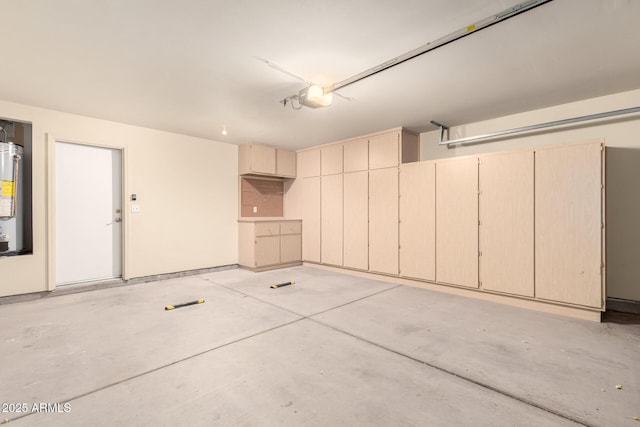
<point>331,350</point>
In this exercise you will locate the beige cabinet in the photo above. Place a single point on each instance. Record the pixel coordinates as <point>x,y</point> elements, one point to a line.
<point>506,222</point>
<point>290,242</point>
<point>356,155</point>
<point>311,219</point>
<point>331,220</point>
<point>384,150</point>
<point>527,223</point>
<point>285,163</point>
<point>457,221</point>
<point>383,220</point>
<point>267,251</point>
<point>569,224</point>
<point>269,244</point>
<point>392,148</point>
<point>258,159</point>
<point>331,159</point>
<point>309,163</point>
<point>418,220</point>
<point>356,220</point>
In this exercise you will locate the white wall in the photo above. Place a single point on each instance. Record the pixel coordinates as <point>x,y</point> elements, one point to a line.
<point>187,189</point>
<point>622,138</point>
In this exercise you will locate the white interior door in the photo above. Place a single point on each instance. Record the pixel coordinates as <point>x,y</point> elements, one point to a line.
<point>88,213</point>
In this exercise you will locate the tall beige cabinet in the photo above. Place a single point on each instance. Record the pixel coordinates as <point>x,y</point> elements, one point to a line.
<point>506,228</point>
<point>383,220</point>
<point>331,219</point>
<point>310,175</point>
<point>358,192</point>
<point>569,224</point>
<point>527,223</point>
<point>331,208</point>
<point>418,220</point>
<point>457,221</point>
<point>385,152</point>
<point>356,205</point>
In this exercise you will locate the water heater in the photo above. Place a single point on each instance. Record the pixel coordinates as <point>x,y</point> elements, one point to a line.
<point>11,195</point>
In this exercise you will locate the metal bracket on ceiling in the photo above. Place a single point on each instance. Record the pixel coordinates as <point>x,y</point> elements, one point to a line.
<point>443,129</point>
<point>491,136</point>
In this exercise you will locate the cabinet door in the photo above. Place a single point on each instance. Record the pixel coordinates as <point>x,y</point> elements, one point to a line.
<point>311,219</point>
<point>356,156</point>
<point>383,220</point>
<point>457,221</point>
<point>506,222</point>
<point>384,150</point>
<point>331,160</point>
<point>267,250</point>
<point>331,220</point>
<point>285,163</point>
<point>418,220</point>
<point>263,159</point>
<point>356,220</point>
<point>568,222</point>
<point>290,248</point>
<point>309,163</point>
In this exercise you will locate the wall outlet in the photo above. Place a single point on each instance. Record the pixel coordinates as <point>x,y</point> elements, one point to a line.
<point>135,208</point>
<point>255,209</point>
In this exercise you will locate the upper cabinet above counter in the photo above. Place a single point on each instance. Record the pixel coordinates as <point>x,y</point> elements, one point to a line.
<point>258,159</point>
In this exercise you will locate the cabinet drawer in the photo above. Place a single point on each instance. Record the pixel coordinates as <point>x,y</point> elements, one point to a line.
<point>291,227</point>
<point>267,228</point>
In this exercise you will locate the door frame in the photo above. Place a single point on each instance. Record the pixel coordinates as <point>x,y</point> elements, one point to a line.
<point>51,205</point>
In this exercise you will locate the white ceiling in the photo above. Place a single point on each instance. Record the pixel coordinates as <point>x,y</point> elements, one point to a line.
<point>194,66</point>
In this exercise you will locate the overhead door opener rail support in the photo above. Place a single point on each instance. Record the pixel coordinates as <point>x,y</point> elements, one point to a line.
<point>562,122</point>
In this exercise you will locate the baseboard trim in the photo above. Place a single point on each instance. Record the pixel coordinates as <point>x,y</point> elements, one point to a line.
<point>271,267</point>
<point>106,284</point>
<point>536,305</point>
<point>623,305</point>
